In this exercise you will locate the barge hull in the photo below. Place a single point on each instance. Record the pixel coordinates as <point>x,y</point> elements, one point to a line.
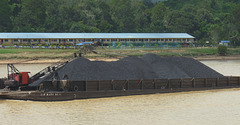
<point>65,96</point>
<point>111,88</point>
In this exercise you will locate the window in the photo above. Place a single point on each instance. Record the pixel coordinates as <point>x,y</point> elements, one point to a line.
<point>169,39</point>
<point>162,40</point>
<point>15,40</point>
<point>96,39</point>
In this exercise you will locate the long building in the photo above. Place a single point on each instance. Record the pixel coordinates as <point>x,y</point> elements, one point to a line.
<point>74,38</point>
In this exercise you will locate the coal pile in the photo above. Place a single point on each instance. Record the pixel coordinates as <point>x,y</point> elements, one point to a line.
<point>149,66</point>
<point>179,67</point>
<point>130,68</point>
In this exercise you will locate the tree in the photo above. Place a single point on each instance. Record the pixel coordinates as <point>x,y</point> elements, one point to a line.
<point>105,27</point>
<point>5,12</point>
<point>236,16</point>
<point>157,17</point>
<point>80,27</point>
<point>179,21</point>
<point>141,16</point>
<point>222,50</point>
<point>32,17</point>
<point>122,15</point>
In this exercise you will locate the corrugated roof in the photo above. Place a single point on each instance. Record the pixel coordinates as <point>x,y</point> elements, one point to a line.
<point>91,35</point>
<point>225,41</point>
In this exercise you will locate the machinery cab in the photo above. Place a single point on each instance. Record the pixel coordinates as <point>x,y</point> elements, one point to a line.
<point>22,77</point>
<point>16,78</point>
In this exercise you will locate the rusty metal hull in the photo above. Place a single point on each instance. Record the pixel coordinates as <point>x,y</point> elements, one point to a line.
<point>64,96</point>
<point>111,88</point>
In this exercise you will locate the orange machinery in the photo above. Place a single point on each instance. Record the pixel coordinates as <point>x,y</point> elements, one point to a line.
<point>16,78</point>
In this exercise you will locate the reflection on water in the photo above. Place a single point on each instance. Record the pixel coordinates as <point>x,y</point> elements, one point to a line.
<point>201,107</point>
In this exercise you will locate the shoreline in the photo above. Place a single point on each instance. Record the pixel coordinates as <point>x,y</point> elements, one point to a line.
<point>50,61</point>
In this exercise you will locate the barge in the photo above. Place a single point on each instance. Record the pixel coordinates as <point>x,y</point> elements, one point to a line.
<point>70,90</point>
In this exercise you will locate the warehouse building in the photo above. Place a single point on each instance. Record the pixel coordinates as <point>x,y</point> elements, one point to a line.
<point>105,38</point>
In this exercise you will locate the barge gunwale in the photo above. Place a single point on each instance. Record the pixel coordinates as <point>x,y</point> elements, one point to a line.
<point>106,88</point>
<point>67,96</point>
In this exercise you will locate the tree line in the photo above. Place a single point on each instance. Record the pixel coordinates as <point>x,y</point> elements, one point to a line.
<point>207,20</point>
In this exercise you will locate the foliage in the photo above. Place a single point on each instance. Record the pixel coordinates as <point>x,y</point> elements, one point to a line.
<point>5,22</point>
<point>222,50</point>
<point>207,20</point>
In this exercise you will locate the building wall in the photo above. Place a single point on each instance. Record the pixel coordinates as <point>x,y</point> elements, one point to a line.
<point>74,41</point>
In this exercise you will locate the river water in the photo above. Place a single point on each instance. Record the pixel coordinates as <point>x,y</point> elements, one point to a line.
<point>183,108</point>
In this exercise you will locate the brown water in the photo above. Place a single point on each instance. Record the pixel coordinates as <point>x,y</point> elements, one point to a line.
<point>202,107</point>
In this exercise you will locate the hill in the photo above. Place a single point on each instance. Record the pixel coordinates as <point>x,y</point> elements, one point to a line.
<point>207,20</point>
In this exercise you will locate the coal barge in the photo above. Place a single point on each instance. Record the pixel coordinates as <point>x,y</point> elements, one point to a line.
<point>83,79</point>
<point>97,89</point>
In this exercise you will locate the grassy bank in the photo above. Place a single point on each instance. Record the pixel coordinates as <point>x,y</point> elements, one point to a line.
<point>170,52</point>
<point>65,53</point>
<point>36,53</point>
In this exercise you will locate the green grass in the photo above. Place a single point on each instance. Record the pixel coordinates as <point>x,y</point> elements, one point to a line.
<point>65,53</point>
<point>8,51</point>
<point>36,53</point>
<point>208,51</point>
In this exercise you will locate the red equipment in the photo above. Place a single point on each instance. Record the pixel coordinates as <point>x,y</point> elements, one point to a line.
<point>22,77</point>
<point>16,78</point>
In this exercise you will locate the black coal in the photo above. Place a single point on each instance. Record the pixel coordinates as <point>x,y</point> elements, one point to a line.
<point>149,66</point>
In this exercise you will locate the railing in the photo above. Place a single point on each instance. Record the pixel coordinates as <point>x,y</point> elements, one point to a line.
<point>100,85</point>
<point>144,84</point>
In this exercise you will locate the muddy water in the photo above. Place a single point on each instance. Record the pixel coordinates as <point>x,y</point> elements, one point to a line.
<point>203,107</point>
<point>225,67</point>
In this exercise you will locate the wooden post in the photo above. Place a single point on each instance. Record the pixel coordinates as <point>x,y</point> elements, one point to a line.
<point>154,83</point>
<point>112,85</point>
<point>217,79</point>
<point>238,80</point>
<point>212,84</point>
<point>86,85</point>
<point>127,85</point>
<point>169,83</point>
<point>205,82</point>
<point>228,81</point>
<point>193,83</point>
<point>141,84</point>
<point>98,85</point>
<point>181,82</point>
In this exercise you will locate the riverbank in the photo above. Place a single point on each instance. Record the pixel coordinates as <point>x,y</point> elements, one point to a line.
<point>48,56</point>
<point>51,61</point>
